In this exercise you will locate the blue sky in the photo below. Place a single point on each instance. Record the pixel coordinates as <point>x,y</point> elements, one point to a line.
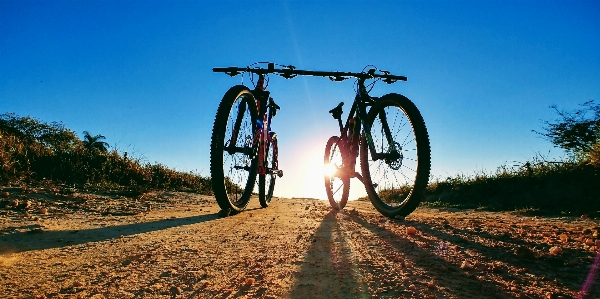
<point>483,73</point>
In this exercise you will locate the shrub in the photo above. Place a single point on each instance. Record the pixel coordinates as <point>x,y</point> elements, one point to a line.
<point>31,150</point>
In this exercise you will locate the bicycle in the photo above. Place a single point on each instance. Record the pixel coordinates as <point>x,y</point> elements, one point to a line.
<point>392,142</point>
<point>243,145</point>
<point>384,152</point>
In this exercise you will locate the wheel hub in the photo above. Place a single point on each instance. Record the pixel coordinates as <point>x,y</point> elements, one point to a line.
<point>395,162</point>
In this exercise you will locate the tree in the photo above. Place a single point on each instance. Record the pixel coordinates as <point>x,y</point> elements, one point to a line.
<point>94,142</point>
<point>54,135</point>
<point>575,131</point>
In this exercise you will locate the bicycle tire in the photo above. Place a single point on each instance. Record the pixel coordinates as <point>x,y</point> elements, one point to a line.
<point>232,185</point>
<point>337,185</point>
<point>267,182</point>
<point>396,187</point>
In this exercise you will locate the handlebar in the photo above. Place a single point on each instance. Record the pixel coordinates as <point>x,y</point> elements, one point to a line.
<point>289,72</point>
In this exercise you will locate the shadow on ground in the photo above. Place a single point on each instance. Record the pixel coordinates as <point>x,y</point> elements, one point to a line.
<point>35,238</point>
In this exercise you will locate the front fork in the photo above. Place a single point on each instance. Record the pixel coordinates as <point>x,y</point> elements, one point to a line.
<point>392,154</point>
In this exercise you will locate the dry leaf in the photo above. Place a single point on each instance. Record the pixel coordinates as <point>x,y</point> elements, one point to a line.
<point>411,230</point>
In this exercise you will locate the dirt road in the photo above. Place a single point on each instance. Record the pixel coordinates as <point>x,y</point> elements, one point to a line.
<point>173,245</point>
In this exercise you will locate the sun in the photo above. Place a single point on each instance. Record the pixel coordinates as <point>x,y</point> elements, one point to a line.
<point>329,169</point>
<point>304,173</point>
<point>313,169</point>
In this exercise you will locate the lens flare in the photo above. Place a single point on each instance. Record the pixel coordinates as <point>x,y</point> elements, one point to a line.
<point>329,169</point>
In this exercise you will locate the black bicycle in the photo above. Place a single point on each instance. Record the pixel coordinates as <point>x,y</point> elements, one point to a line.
<point>387,133</point>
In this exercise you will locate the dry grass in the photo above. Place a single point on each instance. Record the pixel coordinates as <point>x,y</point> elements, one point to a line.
<point>32,151</point>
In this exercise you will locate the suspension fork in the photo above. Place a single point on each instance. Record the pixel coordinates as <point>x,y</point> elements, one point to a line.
<point>362,98</point>
<point>388,134</point>
<point>236,128</point>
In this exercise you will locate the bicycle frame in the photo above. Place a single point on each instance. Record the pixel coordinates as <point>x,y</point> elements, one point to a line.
<point>263,137</point>
<point>359,108</point>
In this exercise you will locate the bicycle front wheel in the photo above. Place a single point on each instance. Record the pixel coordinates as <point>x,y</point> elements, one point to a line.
<point>397,173</point>
<point>337,181</point>
<point>233,162</point>
<point>266,182</point>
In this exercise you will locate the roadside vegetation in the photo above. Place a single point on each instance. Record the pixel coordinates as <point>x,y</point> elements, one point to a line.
<point>36,153</point>
<point>568,187</point>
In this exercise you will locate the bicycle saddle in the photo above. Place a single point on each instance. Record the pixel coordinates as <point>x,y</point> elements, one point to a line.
<point>337,111</point>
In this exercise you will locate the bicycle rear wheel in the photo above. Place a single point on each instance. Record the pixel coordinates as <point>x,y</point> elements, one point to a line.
<point>337,182</point>
<point>396,183</point>
<point>266,182</point>
<point>233,164</point>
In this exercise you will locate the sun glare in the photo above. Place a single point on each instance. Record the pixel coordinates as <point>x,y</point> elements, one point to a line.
<point>314,185</point>
<point>329,169</point>
<point>304,175</point>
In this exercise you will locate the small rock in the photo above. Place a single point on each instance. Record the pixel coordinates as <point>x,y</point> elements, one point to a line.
<point>555,250</point>
<point>524,253</point>
<point>411,230</point>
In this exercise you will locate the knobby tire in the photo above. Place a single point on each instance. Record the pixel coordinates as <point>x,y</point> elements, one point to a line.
<point>266,183</point>
<point>232,186</point>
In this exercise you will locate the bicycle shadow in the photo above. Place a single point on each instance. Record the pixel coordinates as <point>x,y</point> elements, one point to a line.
<point>327,270</point>
<point>445,273</point>
<point>545,266</point>
<point>37,239</point>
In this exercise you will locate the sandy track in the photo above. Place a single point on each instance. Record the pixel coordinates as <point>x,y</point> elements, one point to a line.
<point>173,245</point>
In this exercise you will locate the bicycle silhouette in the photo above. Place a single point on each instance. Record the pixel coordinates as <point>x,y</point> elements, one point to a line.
<point>387,134</point>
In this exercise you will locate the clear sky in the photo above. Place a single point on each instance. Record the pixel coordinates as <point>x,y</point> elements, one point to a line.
<point>483,73</point>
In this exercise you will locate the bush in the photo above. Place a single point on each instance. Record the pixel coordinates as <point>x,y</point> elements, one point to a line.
<point>570,186</point>
<point>31,151</point>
